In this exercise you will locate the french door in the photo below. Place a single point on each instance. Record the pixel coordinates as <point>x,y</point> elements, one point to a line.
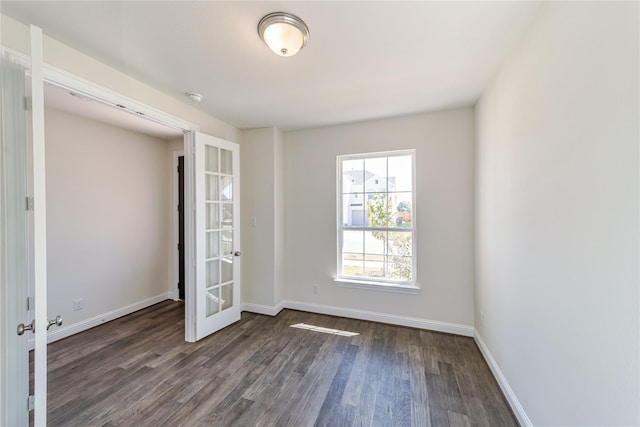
<point>213,236</point>
<point>215,298</point>
<point>22,236</point>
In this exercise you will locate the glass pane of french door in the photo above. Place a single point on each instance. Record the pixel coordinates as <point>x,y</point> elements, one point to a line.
<point>217,231</point>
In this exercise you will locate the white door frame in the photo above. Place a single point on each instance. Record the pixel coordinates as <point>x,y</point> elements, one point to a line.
<point>39,230</point>
<point>99,93</point>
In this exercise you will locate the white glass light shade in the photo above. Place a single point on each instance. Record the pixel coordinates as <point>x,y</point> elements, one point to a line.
<point>285,34</point>
<point>283,39</point>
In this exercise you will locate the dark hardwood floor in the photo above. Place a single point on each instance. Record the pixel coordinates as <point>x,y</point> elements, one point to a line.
<point>138,371</point>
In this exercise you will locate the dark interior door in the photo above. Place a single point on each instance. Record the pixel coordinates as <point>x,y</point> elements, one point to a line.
<point>181,227</point>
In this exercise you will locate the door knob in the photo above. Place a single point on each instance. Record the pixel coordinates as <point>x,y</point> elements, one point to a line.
<point>28,327</point>
<point>57,321</point>
<point>237,253</point>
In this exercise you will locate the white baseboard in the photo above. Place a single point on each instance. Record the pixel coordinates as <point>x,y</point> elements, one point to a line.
<point>68,330</point>
<point>263,309</point>
<point>517,408</point>
<point>173,295</point>
<point>413,322</point>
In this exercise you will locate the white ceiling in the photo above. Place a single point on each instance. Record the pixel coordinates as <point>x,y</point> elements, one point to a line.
<point>364,60</point>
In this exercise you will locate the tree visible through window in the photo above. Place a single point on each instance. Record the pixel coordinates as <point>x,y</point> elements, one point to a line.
<point>376,220</point>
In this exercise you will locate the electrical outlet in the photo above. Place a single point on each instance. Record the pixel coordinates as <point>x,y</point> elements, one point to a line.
<point>78,304</point>
<point>314,289</point>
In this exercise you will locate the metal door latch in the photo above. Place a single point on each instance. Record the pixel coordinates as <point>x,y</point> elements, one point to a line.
<point>57,321</point>
<point>28,327</point>
<point>32,326</point>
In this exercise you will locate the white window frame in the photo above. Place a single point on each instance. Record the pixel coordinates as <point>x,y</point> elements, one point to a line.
<point>375,283</point>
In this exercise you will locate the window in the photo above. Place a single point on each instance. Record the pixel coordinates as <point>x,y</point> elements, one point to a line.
<point>376,220</point>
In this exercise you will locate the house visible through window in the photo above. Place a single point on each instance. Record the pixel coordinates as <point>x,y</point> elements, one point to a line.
<point>376,218</point>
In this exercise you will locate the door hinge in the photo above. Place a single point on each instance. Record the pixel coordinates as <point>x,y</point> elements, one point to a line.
<point>178,168</point>
<point>27,103</point>
<point>178,208</point>
<point>29,203</point>
<point>30,403</point>
<point>178,246</point>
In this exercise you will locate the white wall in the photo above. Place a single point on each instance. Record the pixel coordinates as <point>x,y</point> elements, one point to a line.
<point>557,216</point>
<point>261,180</point>
<point>108,216</point>
<point>444,163</point>
<point>279,217</point>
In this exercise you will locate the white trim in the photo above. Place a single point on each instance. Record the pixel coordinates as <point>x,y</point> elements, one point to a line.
<point>377,286</point>
<point>68,330</point>
<point>189,239</point>
<point>393,319</point>
<point>66,80</point>
<point>263,309</point>
<point>517,408</point>
<point>173,281</point>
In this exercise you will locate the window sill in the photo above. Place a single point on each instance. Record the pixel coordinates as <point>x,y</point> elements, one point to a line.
<point>376,286</point>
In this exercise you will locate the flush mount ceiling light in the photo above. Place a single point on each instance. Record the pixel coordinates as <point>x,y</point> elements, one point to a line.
<point>194,96</point>
<point>285,34</point>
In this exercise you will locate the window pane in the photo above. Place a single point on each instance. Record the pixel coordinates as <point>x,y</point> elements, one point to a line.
<point>352,176</point>
<point>399,268</point>
<point>212,216</point>
<point>375,175</point>
<point>400,173</point>
<point>374,242</point>
<point>352,241</point>
<point>402,209</point>
<point>213,301</point>
<point>353,210</point>
<point>211,159</point>
<point>226,296</point>
<point>227,215</point>
<point>352,265</point>
<point>227,242</point>
<point>213,244</point>
<point>212,273</point>
<point>374,266</point>
<point>400,243</point>
<point>379,210</point>
<point>227,269</point>
<point>226,165</point>
<point>226,188</point>
<point>210,187</point>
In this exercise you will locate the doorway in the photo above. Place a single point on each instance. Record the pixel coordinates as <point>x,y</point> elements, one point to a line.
<point>226,179</point>
<point>109,198</point>
<point>181,247</point>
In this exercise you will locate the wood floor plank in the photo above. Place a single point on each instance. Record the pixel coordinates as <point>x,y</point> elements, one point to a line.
<point>139,371</point>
